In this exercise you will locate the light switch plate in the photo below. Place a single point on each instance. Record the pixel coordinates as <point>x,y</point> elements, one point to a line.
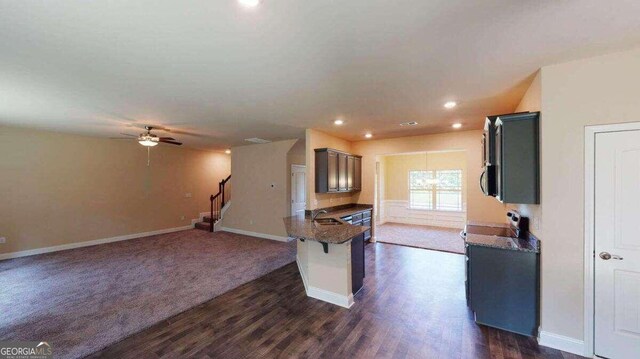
<point>3,240</point>
<point>188,195</point>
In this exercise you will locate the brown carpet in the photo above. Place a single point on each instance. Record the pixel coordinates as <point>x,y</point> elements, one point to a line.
<point>84,299</point>
<point>427,237</point>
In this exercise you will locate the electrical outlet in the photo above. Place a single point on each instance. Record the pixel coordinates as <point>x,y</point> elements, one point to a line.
<point>188,195</point>
<point>251,221</point>
<point>3,240</point>
<point>182,218</point>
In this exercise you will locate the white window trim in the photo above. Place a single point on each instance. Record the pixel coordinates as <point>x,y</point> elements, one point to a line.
<point>435,192</point>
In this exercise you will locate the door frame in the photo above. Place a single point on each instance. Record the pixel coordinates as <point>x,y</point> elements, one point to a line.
<point>590,133</point>
<point>291,186</point>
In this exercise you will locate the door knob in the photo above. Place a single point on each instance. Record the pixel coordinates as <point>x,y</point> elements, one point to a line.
<point>606,256</point>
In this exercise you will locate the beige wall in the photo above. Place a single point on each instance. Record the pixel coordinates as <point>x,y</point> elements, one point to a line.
<point>599,90</point>
<point>397,167</point>
<point>61,189</point>
<point>532,101</point>
<point>317,139</point>
<point>479,207</point>
<point>259,200</point>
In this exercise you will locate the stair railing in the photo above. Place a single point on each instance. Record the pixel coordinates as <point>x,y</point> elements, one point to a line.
<point>218,201</point>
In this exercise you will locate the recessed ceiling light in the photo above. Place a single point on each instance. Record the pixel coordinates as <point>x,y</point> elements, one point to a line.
<point>456,125</point>
<point>412,123</point>
<point>338,122</point>
<point>249,3</point>
<point>227,151</point>
<point>368,135</point>
<point>450,104</point>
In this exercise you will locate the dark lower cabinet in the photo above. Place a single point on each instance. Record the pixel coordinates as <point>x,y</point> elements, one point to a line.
<point>363,219</point>
<point>367,233</point>
<point>357,263</point>
<point>503,288</point>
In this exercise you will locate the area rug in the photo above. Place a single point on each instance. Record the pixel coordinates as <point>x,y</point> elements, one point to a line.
<point>82,300</point>
<point>427,237</point>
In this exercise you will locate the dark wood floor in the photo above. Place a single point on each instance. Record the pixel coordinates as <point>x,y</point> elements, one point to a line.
<point>412,306</point>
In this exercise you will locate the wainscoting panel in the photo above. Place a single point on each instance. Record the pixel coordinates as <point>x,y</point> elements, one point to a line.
<point>398,211</point>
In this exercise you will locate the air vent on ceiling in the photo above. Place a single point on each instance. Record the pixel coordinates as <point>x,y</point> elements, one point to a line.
<point>412,123</point>
<point>256,140</point>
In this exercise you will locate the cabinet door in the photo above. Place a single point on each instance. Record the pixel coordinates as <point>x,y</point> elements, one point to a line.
<point>498,166</point>
<point>332,171</point>
<point>350,172</point>
<point>517,162</point>
<point>342,172</point>
<point>357,173</point>
<point>357,263</point>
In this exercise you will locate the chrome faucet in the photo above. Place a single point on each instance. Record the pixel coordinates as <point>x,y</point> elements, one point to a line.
<point>315,214</point>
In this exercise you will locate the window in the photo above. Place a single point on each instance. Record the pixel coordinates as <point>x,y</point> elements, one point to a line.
<point>436,190</point>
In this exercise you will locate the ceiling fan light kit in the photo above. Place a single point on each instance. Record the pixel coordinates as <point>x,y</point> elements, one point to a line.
<point>148,140</point>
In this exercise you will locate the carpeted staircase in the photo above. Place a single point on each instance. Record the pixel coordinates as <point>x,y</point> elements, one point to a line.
<point>219,201</point>
<point>205,225</point>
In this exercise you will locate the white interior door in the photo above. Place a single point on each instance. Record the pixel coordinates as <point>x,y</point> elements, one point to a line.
<point>617,245</point>
<point>298,189</point>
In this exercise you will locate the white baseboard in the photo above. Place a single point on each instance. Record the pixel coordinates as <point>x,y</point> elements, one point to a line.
<point>330,297</point>
<point>323,295</point>
<point>560,342</point>
<point>95,242</point>
<point>255,234</point>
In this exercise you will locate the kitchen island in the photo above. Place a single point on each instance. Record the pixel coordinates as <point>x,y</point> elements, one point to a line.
<point>330,254</point>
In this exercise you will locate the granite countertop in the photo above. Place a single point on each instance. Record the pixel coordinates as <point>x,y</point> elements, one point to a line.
<point>302,227</point>
<point>487,224</point>
<point>514,244</point>
<point>346,211</point>
<point>482,238</point>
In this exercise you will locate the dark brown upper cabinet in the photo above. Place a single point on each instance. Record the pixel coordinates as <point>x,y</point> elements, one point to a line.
<point>337,171</point>
<point>517,158</point>
<point>357,173</point>
<point>343,170</point>
<point>350,172</point>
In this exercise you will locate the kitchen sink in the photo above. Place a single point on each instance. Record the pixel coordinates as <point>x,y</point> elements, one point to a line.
<point>327,222</point>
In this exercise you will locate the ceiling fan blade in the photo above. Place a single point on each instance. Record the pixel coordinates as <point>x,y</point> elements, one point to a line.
<point>167,138</point>
<point>171,142</point>
<point>126,134</point>
<point>121,138</point>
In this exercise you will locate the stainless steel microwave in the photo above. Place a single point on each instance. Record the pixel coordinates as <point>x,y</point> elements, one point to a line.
<point>488,176</point>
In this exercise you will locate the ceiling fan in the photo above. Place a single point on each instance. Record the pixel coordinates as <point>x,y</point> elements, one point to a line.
<point>148,139</point>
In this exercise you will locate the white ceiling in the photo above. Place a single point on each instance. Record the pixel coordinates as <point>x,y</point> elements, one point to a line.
<point>230,73</point>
